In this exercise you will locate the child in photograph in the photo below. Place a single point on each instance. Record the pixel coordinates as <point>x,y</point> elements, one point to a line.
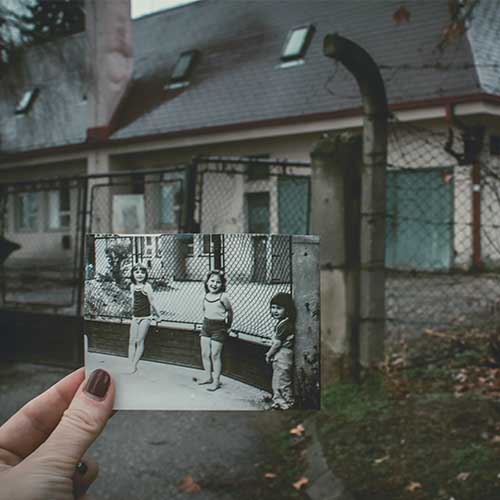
<point>217,320</point>
<point>143,307</point>
<point>280,354</point>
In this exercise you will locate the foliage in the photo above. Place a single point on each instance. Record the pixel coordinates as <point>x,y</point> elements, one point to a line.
<point>105,297</point>
<point>426,427</point>
<point>51,19</point>
<point>37,21</point>
<point>118,255</point>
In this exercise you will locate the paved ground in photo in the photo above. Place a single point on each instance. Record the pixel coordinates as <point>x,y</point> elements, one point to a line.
<point>144,454</point>
<point>159,386</point>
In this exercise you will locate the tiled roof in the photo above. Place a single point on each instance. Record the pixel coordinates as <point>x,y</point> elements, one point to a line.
<point>237,79</point>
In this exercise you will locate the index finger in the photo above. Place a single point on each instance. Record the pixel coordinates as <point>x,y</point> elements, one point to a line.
<point>27,429</point>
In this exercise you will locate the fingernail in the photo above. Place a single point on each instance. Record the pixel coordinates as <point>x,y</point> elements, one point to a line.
<point>81,468</point>
<point>98,383</point>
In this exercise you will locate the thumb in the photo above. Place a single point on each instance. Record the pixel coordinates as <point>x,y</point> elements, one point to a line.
<point>80,425</point>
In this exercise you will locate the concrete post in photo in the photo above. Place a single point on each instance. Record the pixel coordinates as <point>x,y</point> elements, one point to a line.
<point>335,191</point>
<point>373,175</point>
<point>305,275</point>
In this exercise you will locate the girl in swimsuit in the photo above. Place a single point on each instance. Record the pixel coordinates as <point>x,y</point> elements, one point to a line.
<point>217,320</point>
<point>143,307</point>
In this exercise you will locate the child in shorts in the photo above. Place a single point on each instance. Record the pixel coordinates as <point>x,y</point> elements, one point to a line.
<point>217,320</point>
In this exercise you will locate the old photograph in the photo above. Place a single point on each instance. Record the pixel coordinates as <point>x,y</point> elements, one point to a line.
<point>205,321</point>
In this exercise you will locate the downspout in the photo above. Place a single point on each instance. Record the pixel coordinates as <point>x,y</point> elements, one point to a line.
<point>371,294</point>
<point>473,140</point>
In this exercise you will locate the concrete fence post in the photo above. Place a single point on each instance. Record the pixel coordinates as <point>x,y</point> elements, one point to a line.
<point>373,210</point>
<point>335,215</point>
<point>305,275</point>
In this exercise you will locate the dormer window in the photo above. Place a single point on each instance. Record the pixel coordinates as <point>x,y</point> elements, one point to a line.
<point>296,44</point>
<point>182,70</point>
<point>27,101</point>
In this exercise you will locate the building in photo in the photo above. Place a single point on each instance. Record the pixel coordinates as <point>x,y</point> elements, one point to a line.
<point>177,272</point>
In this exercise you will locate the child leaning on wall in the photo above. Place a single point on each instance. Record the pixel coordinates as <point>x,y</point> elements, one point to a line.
<point>282,309</point>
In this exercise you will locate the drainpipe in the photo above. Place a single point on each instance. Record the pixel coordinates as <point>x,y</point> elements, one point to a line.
<point>371,293</point>
<point>473,137</point>
<point>476,214</point>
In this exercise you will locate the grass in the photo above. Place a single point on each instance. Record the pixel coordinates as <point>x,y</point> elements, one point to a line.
<point>423,427</point>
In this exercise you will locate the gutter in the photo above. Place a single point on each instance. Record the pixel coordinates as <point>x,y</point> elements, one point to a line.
<point>92,145</point>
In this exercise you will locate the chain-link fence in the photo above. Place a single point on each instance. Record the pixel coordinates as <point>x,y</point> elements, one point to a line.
<point>442,236</point>
<point>45,220</point>
<point>256,267</point>
<point>252,195</point>
<point>148,201</point>
<point>42,223</point>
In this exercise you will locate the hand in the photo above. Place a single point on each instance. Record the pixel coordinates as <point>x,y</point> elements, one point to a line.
<point>44,442</point>
<point>269,358</point>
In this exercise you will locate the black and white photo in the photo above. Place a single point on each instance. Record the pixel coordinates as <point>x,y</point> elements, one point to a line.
<point>204,321</point>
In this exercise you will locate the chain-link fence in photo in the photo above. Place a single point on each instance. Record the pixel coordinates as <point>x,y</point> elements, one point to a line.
<point>256,267</point>
<point>443,229</point>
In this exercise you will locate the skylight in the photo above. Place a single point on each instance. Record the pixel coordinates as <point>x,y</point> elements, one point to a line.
<point>184,65</point>
<point>297,42</point>
<point>27,101</point>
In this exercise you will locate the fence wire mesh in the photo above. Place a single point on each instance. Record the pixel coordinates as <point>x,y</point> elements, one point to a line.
<point>142,202</point>
<point>442,234</point>
<point>253,196</point>
<point>42,222</point>
<point>256,267</point>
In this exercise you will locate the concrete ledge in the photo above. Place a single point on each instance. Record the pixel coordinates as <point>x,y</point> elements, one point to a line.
<point>323,484</point>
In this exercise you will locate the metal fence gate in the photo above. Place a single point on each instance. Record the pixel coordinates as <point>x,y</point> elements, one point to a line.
<point>49,218</point>
<point>43,221</point>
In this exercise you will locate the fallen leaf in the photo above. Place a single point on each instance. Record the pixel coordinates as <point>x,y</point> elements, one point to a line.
<point>381,460</point>
<point>412,487</point>
<point>301,483</point>
<point>398,361</point>
<point>270,475</point>
<point>496,439</point>
<point>188,485</point>
<point>298,430</point>
<point>463,476</point>
<point>402,15</point>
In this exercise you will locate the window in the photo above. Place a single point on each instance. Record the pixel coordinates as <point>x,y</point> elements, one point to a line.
<point>495,145</point>
<point>27,211</point>
<point>257,171</point>
<point>258,212</point>
<point>171,197</point>
<point>149,246</point>
<point>137,184</point>
<point>182,70</point>
<point>59,208</point>
<point>27,101</point>
<point>207,244</point>
<point>297,42</point>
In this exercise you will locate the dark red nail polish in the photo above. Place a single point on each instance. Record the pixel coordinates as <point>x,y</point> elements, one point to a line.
<point>98,383</point>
